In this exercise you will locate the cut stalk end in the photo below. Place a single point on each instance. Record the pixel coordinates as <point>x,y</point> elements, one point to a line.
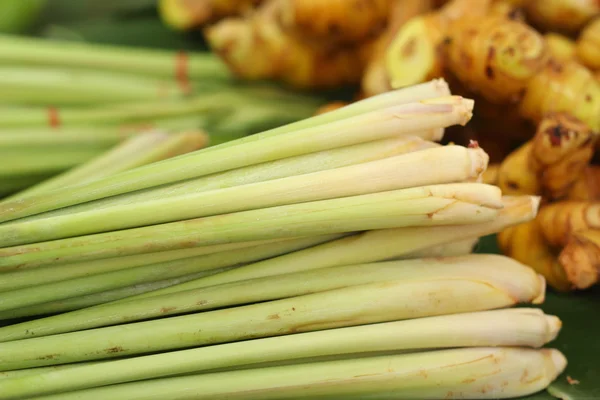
<point>542,297</point>
<point>557,360</point>
<point>554,326</point>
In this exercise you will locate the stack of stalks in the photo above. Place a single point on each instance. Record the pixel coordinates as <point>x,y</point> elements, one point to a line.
<point>288,264</point>
<point>64,103</point>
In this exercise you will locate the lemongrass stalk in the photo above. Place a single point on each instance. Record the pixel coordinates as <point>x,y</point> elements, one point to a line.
<point>427,90</point>
<point>369,247</point>
<point>512,327</point>
<point>450,204</point>
<point>160,63</point>
<point>121,113</point>
<point>477,372</point>
<point>264,289</point>
<point>350,306</point>
<point>452,164</point>
<point>457,248</point>
<point>299,165</point>
<point>223,100</point>
<point>37,161</point>
<point>139,150</point>
<point>77,303</point>
<point>20,373</point>
<point>18,298</point>
<point>95,136</point>
<point>60,268</point>
<point>71,87</point>
<point>164,64</point>
<point>9,185</point>
<point>405,119</point>
<point>28,277</point>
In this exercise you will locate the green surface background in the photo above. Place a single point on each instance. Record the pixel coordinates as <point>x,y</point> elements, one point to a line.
<point>136,23</point>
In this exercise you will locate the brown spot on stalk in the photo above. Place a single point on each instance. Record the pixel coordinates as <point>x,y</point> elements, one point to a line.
<point>467,362</point>
<point>48,357</point>
<point>165,310</point>
<point>324,325</point>
<point>112,350</point>
<point>365,375</point>
<point>274,316</point>
<point>201,302</point>
<point>486,388</point>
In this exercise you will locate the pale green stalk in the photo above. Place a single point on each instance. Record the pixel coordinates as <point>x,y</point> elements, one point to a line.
<point>405,119</point>
<point>477,373</point>
<point>129,112</point>
<point>450,204</point>
<point>350,306</point>
<point>71,87</point>
<point>37,161</point>
<point>14,299</point>
<point>512,327</point>
<point>457,248</point>
<point>428,90</point>
<point>27,277</point>
<point>93,136</point>
<point>161,63</point>
<point>299,165</point>
<point>269,288</point>
<point>452,164</point>
<point>13,184</point>
<point>77,303</point>
<point>140,150</point>
<point>20,373</point>
<point>370,246</point>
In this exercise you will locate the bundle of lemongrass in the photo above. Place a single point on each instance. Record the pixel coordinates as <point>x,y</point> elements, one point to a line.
<point>64,103</point>
<point>288,264</point>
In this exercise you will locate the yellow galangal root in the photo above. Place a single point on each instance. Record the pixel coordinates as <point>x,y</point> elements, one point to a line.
<point>338,21</point>
<point>552,162</point>
<point>588,45</point>
<point>257,47</point>
<point>581,258</point>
